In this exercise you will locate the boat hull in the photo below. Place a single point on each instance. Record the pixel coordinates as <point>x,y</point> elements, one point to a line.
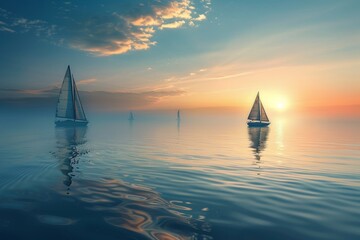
<point>257,124</point>
<point>71,123</point>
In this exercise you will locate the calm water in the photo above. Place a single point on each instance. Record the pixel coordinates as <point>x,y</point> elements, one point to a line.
<point>207,177</point>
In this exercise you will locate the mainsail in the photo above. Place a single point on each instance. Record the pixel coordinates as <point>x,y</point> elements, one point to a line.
<point>69,105</point>
<point>79,111</point>
<point>65,106</point>
<point>257,112</point>
<point>263,115</point>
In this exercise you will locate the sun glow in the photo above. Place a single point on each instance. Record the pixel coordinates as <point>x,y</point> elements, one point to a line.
<point>281,105</point>
<point>276,101</point>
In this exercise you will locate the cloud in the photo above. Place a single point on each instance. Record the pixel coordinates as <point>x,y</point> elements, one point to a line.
<point>4,26</point>
<point>131,28</point>
<point>174,10</point>
<point>126,100</point>
<point>94,100</point>
<point>145,21</point>
<point>10,93</point>
<point>6,29</point>
<point>11,23</point>
<point>201,17</point>
<point>86,81</point>
<point>127,25</point>
<point>175,24</point>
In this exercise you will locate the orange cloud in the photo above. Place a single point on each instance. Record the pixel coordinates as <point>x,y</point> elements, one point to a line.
<point>146,21</point>
<point>122,32</point>
<point>176,24</point>
<point>175,9</point>
<point>86,81</point>
<point>201,17</point>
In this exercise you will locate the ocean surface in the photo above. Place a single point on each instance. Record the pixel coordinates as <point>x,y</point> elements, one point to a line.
<point>207,176</point>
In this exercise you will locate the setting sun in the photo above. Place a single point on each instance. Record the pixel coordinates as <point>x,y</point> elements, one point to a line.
<point>281,106</point>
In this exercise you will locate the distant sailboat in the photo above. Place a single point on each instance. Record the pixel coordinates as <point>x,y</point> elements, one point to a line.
<point>178,115</point>
<point>131,116</point>
<point>257,116</point>
<point>69,110</point>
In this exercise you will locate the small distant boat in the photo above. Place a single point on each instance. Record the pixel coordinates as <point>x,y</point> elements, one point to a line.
<point>69,110</point>
<point>131,116</point>
<point>178,115</point>
<point>257,116</point>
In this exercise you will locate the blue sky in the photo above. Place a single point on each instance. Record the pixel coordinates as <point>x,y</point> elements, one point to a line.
<point>190,51</point>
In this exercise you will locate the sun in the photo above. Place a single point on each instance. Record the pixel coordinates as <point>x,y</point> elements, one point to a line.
<point>281,105</point>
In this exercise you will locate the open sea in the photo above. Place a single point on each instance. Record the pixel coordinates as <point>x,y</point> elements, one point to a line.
<point>207,176</point>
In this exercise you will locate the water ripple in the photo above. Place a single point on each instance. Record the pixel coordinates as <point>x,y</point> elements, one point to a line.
<point>137,209</point>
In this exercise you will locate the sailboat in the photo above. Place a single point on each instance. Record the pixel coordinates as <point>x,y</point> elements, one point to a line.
<point>131,116</point>
<point>69,110</point>
<point>257,116</point>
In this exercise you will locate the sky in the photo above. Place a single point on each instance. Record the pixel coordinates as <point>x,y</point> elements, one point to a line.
<point>163,54</point>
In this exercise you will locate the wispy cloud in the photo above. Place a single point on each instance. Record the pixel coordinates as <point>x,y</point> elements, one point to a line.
<point>11,93</point>
<point>97,99</point>
<point>175,24</point>
<point>201,17</point>
<point>6,29</point>
<point>86,81</point>
<point>10,22</point>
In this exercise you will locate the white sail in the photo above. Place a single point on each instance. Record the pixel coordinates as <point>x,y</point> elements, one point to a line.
<point>263,114</point>
<point>65,106</point>
<point>255,110</point>
<point>79,111</point>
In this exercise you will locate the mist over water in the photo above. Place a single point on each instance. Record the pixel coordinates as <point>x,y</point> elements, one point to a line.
<point>207,176</point>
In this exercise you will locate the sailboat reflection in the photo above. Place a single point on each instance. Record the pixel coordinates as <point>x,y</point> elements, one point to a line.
<point>258,137</point>
<point>68,141</point>
<point>136,210</point>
